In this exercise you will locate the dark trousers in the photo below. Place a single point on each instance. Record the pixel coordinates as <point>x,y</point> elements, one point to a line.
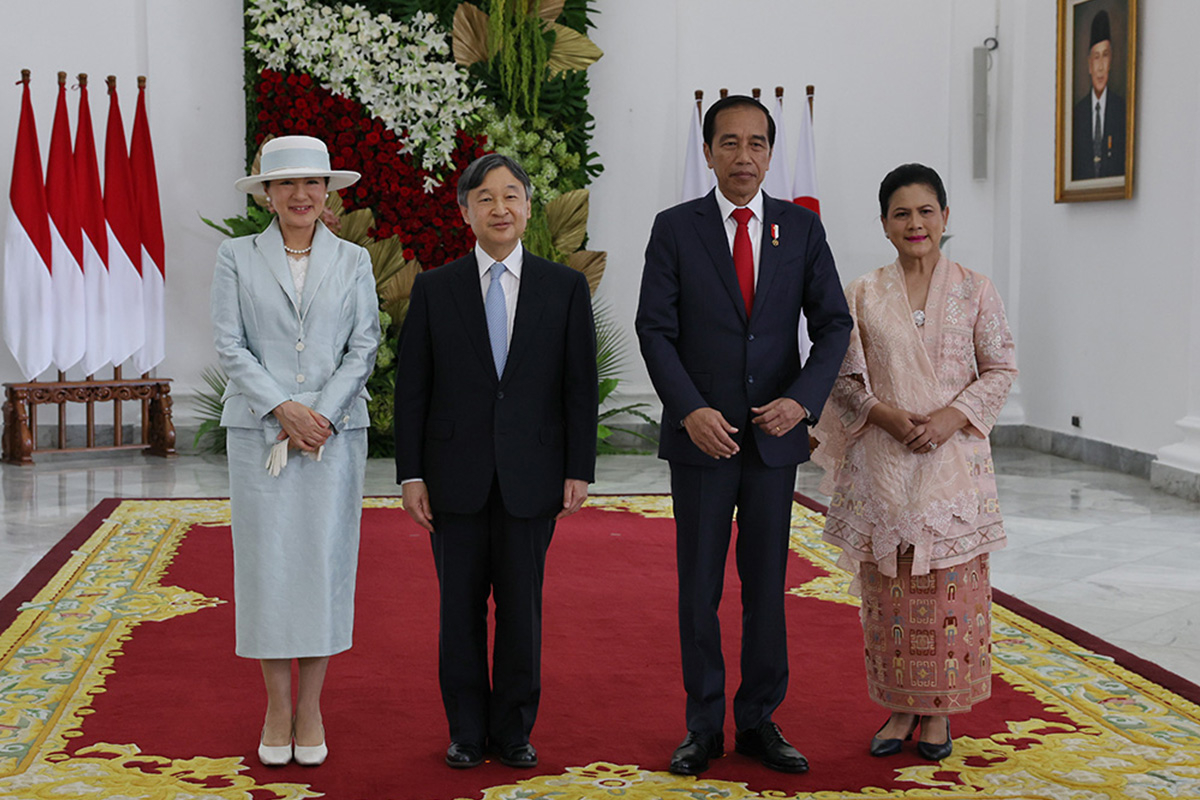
<point>490,552</point>
<point>704,500</point>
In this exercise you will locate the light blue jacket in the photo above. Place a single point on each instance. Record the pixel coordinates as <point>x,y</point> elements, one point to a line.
<point>318,352</point>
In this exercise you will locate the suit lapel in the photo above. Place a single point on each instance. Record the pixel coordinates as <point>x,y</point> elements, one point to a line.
<point>270,247</point>
<point>320,262</point>
<point>768,253</point>
<point>469,297</point>
<point>711,230</point>
<point>531,300</point>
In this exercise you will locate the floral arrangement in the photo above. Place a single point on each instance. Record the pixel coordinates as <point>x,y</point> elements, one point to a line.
<point>399,71</point>
<point>408,201</point>
<point>408,92</point>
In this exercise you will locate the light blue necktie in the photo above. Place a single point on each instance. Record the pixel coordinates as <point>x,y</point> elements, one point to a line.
<point>497,318</point>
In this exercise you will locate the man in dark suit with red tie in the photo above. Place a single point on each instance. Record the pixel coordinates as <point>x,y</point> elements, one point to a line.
<point>495,423</point>
<point>725,280</point>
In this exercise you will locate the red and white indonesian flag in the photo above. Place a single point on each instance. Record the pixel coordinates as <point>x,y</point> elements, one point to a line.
<point>28,284</point>
<point>145,187</point>
<point>70,311</point>
<point>776,183</point>
<point>804,182</point>
<point>127,315</point>
<point>90,205</point>
<point>698,179</point>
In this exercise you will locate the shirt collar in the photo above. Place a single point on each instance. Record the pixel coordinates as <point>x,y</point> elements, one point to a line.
<point>514,262</point>
<point>727,206</point>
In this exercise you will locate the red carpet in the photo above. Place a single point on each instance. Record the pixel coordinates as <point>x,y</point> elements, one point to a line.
<point>612,690</point>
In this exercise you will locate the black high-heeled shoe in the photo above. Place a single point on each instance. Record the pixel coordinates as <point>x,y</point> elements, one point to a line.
<point>889,747</point>
<point>936,752</point>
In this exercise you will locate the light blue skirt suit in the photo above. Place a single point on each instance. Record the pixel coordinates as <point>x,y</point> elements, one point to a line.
<point>295,536</point>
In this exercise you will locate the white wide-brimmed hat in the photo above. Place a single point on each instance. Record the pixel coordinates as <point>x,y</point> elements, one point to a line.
<point>295,157</point>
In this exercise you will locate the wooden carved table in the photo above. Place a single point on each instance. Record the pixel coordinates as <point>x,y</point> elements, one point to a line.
<point>21,400</point>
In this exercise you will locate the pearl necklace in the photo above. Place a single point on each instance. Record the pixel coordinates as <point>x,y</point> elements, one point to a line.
<point>298,252</point>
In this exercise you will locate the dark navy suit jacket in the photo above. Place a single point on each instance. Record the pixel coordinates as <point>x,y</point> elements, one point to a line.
<point>1112,151</point>
<point>700,347</point>
<point>459,425</point>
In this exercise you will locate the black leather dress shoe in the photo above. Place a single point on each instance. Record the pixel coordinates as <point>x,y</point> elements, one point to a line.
<point>767,744</point>
<point>518,755</point>
<point>692,755</point>
<point>464,756</point>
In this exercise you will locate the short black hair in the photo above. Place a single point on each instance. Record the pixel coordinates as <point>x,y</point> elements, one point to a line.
<point>733,101</point>
<point>478,169</point>
<point>910,175</point>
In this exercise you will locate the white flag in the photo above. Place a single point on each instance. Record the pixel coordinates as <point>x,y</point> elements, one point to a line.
<point>776,183</point>
<point>698,179</point>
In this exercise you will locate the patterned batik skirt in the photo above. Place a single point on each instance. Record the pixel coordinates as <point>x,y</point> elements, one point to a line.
<point>928,637</point>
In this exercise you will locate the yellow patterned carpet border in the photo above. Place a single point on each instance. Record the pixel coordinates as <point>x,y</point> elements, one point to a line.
<point>1127,738</point>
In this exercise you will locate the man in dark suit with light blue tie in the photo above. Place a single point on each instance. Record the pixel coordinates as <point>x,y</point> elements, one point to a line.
<point>495,424</point>
<point>725,280</point>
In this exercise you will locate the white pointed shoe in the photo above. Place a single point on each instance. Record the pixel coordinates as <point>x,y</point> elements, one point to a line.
<point>311,756</point>
<point>274,755</point>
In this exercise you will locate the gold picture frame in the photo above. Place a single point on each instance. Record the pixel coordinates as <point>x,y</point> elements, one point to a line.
<point>1097,48</point>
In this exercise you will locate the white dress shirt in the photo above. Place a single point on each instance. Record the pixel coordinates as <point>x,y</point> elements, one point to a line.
<point>754,226</point>
<point>510,279</point>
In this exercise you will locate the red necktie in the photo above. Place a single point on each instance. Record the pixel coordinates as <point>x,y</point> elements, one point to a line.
<point>743,256</point>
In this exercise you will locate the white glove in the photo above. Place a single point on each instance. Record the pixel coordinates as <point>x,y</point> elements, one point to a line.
<point>277,459</point>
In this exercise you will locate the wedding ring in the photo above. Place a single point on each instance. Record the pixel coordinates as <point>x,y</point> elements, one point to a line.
<point>932,446</point>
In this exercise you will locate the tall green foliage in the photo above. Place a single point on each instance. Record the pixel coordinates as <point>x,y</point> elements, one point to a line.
<point>517,38</point>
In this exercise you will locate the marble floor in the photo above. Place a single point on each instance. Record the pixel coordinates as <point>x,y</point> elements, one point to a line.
<point>1099,549</point>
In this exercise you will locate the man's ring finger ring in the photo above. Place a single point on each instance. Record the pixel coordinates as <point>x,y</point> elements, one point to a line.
<point>932,446</point>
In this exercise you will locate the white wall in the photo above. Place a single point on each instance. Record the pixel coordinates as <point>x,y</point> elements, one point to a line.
<point>1101,295</point>
<point>191,55</point>
<point>1107,305</point>
<point>892,85</point>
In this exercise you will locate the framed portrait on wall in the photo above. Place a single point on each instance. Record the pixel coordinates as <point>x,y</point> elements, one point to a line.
<point>1097,49</point>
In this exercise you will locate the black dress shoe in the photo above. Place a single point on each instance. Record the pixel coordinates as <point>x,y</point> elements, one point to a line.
<point>692,755</point>
<point>461,755</point>
<point>518,755</point>
<point>936,752</point>
<point>889,747</point>
<point>767,744</point>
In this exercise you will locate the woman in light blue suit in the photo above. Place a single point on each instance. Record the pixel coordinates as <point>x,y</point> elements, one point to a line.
<point>296,326</point>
